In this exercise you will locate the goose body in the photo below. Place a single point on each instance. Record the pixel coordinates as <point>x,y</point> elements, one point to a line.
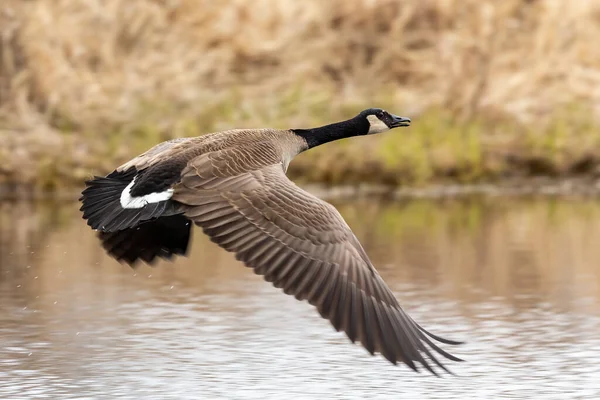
<point>232,184</point>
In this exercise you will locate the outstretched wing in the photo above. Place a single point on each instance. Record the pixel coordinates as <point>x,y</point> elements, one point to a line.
<point>303,245</point>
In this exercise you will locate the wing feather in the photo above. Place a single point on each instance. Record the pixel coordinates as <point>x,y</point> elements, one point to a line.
<point>302,245</point>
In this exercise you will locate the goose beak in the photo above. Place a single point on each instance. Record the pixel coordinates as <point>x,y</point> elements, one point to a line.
<point>399,121</point>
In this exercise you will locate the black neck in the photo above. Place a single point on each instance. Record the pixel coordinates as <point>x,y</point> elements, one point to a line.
<point>328,133</point>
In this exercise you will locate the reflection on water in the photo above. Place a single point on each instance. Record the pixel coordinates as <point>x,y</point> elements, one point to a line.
<point>518,280</point>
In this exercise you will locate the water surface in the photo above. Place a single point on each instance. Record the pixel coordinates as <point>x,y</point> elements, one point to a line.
<point>518,280</point>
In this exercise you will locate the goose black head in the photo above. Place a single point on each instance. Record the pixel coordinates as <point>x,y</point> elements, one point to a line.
<point>380,120</point>
<point>367,122</point>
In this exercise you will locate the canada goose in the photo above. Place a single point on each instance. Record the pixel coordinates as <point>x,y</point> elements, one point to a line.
<point>233,185</point>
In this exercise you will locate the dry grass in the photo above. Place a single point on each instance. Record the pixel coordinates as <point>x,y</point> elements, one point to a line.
<point>510,76</point>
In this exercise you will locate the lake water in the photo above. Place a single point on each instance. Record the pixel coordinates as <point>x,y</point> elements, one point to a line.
<point>518,280</point>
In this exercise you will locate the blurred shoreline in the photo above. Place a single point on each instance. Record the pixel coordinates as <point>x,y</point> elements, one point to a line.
<point>528,188</point>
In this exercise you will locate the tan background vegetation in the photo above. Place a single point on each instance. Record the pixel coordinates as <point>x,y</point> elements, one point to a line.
<point>495,88</point>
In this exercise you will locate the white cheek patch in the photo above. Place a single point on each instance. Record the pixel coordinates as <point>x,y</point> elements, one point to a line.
<point>376,125</point>
<point>128,201</point>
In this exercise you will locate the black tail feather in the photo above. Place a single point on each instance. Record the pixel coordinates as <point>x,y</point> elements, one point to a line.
<point>162,237</point>
<point>102,204</point>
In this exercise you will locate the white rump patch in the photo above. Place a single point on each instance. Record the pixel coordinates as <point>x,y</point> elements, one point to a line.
<point>128,201</point>
<point>376,125</point>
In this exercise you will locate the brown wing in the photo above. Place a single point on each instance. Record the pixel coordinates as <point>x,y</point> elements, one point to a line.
<point>160,152</point>
<point>303,245</point>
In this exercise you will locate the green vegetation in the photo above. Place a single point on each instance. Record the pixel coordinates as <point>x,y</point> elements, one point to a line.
<point>436,148</point>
